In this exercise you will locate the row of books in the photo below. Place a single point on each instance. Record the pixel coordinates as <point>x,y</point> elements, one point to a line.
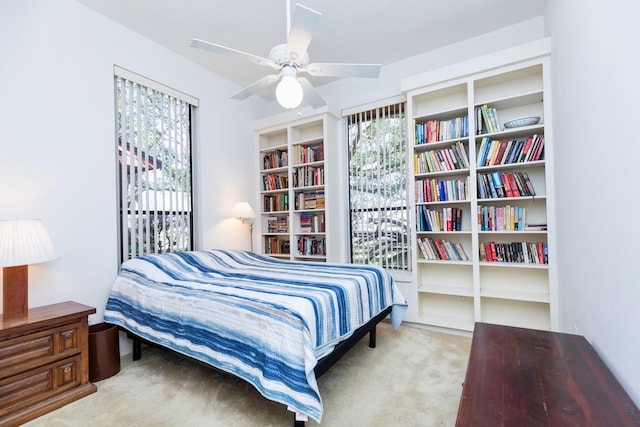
<point>503,152</point>
<point>497,184</point>
<point>445,219</point>
<point>312,223</point>
<point>310,200</point>
<point>306,176</point>
<point>312,246</point>
<point>433,249</point>
<point>486,120</point>
<point>275,182</point>
<point>275,159</point>
<point>274,245</point>
<point>307,154</point>
<point>446,159</point>
<point>441,130</point>
<point>441,190</point>
<point>501,218</point>
<point>278,224</point>
<point>517,252</point>
<point>275,203</point>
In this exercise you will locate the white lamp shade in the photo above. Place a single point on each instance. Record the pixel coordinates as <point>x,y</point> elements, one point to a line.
<point>289,92</point>
<point>24,242</point>
<point>243,210</point>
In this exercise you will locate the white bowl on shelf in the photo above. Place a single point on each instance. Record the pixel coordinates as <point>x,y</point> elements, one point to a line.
<point>522,121</point>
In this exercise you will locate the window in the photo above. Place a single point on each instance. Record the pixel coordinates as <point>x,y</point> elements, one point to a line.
<point>378,187</point>
<point>153,143</point>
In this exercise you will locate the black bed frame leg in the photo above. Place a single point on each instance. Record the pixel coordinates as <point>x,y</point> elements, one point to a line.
<point>372,338</point>
<point>297,422</point>
<point>137,349</point>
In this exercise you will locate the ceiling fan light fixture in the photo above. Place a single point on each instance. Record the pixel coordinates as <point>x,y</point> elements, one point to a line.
<point>291,58</point>
<point>289,91</point>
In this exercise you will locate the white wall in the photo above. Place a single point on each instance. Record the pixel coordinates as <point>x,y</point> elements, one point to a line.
<point>57,154</point>
<point>596,88</point>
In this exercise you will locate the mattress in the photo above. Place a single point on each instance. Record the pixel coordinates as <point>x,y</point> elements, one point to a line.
<point>262,319</point>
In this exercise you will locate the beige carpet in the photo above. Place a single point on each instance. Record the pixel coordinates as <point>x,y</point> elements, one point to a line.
<point>412,378</point>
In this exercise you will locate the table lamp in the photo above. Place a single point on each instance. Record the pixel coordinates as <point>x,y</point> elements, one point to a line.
<point>244,211</point>
<point>22,242</point>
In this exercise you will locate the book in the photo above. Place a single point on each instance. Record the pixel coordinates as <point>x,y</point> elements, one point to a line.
<point>501,147</point>
<point>493,116</point>
<point>431,248</point>
<point>536,151</point>
<point>452,251</point>
<point>520,185</point>
<point>423,249</point>
<point>507,152</point>
<point>535,227</point>
<point>451,165</point>
<point>440,249</point>
<point>493,148</point>
<point>498,184</point>
<point>463,154</point>
<point>461,251</point>
<point>525,149</point>
<point>515,152</point>
<point>482,152</point>
<point>512,184</point>
<point>508,191</point>
<point>528,184</point>
<point>486,118</point>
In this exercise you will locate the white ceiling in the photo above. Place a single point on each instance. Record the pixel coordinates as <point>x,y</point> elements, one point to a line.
<point>351,31</point>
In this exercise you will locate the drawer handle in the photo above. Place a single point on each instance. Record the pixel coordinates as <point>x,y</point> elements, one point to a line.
<point>67,370</point>
<point>67,336</point>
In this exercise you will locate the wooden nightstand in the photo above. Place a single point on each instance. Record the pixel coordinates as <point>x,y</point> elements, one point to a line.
<point>44,361</point>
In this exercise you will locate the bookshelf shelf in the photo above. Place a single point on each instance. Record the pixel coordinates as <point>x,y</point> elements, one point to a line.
<point>302,207</point>
<point>447,290</point>
<point>509,186</point>
<point>513,265</point>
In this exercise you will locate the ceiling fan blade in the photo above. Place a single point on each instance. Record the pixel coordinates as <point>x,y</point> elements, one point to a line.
<point>216,48</point>
<point>311,94</point>
<point>343,70</point>
<point>256,87</point>
<point>303,24</point>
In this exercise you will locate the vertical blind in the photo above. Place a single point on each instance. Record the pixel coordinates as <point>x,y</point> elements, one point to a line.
<point>378,187</point>
<point>153,142</point>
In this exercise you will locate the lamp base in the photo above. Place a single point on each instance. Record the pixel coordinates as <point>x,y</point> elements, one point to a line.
<point>15,292</point>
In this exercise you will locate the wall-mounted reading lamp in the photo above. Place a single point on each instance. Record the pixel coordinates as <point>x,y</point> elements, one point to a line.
<point>245,212</point>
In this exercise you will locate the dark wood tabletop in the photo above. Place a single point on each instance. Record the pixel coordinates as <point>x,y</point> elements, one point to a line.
<point>525,377</point>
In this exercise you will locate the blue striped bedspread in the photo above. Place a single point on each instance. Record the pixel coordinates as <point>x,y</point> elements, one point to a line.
<point>262,319</point>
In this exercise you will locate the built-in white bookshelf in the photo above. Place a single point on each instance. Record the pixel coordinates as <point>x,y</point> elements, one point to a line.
<point>494,252</point>
<point>295,210</point>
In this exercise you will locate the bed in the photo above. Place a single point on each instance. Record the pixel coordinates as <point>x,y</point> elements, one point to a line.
<point>277,324</point>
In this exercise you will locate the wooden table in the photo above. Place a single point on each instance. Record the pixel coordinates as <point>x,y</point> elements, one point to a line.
<point>524,377</point>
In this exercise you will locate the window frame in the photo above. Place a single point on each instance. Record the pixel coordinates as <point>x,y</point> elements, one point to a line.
<point>157,133</point>
<point>365,112</point>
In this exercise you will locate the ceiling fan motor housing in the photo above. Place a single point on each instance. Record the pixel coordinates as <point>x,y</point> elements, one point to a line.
<point>278,54</point>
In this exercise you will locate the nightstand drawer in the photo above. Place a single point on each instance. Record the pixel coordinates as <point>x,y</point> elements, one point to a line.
<point>26,389</point>
<point>29,351</point>
<point>68,339</point>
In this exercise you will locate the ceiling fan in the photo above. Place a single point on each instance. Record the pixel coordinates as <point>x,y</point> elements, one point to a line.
<point>292,59</point>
